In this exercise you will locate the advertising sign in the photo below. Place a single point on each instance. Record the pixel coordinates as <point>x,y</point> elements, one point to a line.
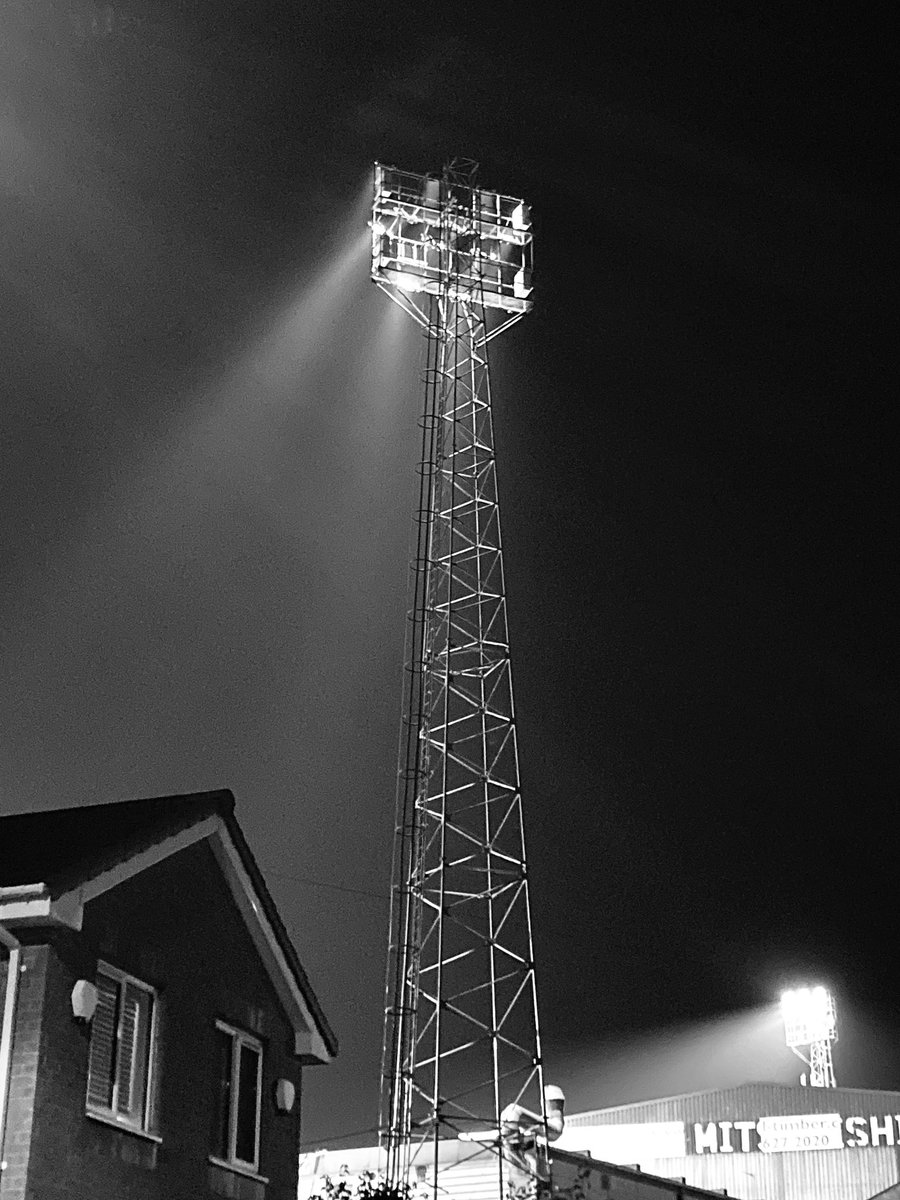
<point>808,1131</point>
<point>801,1131</point>
<point>781,1134</point>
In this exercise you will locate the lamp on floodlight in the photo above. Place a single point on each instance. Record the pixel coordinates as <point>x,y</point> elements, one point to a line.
<point>810,1023</point>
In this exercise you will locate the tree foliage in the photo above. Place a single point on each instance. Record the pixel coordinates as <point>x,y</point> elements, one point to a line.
<point>368,1186</point>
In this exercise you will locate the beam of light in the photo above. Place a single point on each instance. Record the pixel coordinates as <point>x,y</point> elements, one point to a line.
<point>238,423</point>
<point>387,376</point>
<point>379,435</point>
<point>279,476</point>
<point>407,283</point>
<point>721,1052</point>
<point>228,474</point>
<point>269,373</point>
<point>304,444</point>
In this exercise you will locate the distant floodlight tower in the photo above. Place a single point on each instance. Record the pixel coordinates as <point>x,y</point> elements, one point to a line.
<point>461,1026</point>
<point>810,1021</point>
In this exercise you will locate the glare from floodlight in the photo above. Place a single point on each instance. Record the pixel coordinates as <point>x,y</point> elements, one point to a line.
<point>809,1016</point>
<point>407,283</point>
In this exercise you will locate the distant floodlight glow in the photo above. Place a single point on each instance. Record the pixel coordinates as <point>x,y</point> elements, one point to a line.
<point>809,1016</point>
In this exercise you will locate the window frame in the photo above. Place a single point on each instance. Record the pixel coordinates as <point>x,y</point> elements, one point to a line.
<point>145,1122</point>
<point>240,1038</point>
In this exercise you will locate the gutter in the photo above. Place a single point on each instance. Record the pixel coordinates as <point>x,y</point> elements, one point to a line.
<point>6,1032</point>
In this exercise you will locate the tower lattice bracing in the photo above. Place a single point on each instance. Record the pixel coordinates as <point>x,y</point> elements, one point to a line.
<point>821,1065</point>
<point>461,1025</point>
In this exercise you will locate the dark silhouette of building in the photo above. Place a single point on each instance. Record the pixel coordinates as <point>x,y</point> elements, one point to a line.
<point>156,1019</point>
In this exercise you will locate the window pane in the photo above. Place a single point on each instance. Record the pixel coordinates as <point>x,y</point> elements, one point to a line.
<point>221,1139</point>
<point>103,1044</point>
<point>132,1067</point>
<point>248,1095</point>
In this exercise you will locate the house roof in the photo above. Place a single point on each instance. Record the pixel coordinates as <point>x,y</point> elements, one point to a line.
<point>78,852</point>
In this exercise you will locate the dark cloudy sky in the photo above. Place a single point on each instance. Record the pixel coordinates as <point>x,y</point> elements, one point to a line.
<point>209,433</point>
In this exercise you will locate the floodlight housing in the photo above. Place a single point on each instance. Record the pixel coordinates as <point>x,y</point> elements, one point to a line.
<point>449,238</point>
<point>809,1016</point>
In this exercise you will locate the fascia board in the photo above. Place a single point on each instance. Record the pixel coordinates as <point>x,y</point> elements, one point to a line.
<point>309,1043</point>
<point>145,859</point>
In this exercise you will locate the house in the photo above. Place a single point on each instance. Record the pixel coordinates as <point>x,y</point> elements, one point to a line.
<point>156,1019</point>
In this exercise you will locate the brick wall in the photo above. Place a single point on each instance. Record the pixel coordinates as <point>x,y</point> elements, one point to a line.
<point>24,1071</point>
<point>177,928</point>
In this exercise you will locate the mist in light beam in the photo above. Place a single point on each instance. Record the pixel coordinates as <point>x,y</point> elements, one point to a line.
<point>240,557</point>
<point>274,377</point>
<point>287,384</point>
<point>722,1052</point>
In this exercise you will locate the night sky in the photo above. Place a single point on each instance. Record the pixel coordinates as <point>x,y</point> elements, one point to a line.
<point>209,438</point>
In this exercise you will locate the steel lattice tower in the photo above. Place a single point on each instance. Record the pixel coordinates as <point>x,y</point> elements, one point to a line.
<point>461,1024</point>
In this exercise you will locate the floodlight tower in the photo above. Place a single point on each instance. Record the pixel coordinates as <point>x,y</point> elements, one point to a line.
<point>810,1021</point>
<point>461,1043</point>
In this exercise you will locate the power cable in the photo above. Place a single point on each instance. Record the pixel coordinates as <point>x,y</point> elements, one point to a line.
<point>337,887</point>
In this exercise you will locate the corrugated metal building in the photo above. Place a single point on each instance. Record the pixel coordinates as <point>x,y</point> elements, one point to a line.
<point>759,1141</point>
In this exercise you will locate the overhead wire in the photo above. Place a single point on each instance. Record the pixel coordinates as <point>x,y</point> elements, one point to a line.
<point>337,887</point>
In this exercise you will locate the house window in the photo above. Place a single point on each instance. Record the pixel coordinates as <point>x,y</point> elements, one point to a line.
<point>236,1139</point>
<point>120,1065</point>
